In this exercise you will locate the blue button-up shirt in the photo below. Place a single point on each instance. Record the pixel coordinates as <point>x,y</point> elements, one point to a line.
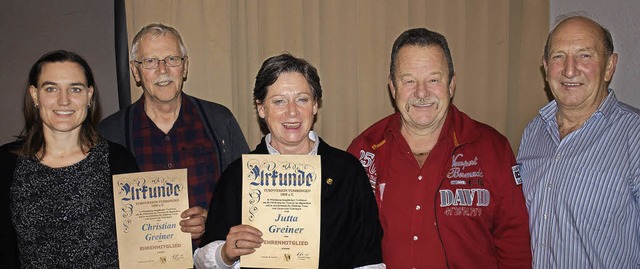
<point>583,191</point>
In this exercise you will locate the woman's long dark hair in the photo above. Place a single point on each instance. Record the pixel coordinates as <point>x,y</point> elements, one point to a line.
<point>32,134</point>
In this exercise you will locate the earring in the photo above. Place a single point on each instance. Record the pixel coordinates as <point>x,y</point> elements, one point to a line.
<point>36,106</point>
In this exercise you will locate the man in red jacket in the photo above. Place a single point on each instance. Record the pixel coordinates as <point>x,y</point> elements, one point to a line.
<point>447,186</point>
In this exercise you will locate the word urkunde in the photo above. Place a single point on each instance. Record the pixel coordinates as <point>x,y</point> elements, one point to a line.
<point>275,178</point>
<point>143,191</point>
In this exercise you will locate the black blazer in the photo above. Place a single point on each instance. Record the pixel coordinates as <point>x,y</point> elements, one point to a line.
<point>350,230</point>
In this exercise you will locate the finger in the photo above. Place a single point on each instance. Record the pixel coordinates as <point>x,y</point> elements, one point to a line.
<point>246,244</point>
<point>195,226</point>
<point>194,211</point>
<point>197,229</point>
<point>193,221</point>
<point>246,229</point>
<point>192,226</point>
<point>244,240</point>
<point>230,253</point>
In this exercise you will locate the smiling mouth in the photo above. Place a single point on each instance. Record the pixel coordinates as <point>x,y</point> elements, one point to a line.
<point>423,105</point>
<point>571,84</point>
<point>163,83</point>
<point>291,125</point>
<point>63,112</point>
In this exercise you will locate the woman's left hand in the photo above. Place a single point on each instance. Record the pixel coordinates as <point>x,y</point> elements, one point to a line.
<point>241,240</point>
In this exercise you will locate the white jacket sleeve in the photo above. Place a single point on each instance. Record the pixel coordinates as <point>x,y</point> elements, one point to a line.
<point>210,257</point>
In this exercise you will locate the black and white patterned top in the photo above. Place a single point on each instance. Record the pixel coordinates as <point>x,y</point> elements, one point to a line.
<point>64,217</point>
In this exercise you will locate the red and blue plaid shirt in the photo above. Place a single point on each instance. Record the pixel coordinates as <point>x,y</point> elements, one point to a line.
<point>185,146</point>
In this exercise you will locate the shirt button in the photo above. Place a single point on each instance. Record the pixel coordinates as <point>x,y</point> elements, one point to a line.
<point>415,238</point>
<point>170,165</point>
<point>417,207</point>
<point>167,138</point>
<point>546,215</point>
<point>558,157</point>
<point>419,177</point>
<point>549,186</point>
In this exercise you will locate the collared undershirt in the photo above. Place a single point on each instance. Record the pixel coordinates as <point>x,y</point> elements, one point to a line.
<point>312,135</point>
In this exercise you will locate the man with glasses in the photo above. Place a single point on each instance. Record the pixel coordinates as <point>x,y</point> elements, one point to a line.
<point>168,129</point>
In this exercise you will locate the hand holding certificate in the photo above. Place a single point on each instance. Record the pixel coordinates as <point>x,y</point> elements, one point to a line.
<point>266,210</point>
<point>281,198</point>
<point>148,207</point>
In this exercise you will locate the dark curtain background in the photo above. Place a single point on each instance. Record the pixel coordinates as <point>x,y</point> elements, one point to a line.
<point>122,54</point>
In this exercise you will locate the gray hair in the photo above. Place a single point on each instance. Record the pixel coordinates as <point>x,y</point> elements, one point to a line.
<point>155,30</point>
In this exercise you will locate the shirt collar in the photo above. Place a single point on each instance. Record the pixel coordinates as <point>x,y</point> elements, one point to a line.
<point>146,122</point>
<point>312,135</point>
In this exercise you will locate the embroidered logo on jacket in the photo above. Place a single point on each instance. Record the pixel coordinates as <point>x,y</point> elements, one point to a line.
<point>459,167</point>
<point>516,174</point>
<point>461,201</point>
<point>464,202</point>
<point>367,159</point>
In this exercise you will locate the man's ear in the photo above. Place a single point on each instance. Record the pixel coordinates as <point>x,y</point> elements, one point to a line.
<point>392,88</point>
<point>452,86</point>
<point>135,72</point>
<point>546,68</point>
<point>612,61</point>
<point>186,68</point>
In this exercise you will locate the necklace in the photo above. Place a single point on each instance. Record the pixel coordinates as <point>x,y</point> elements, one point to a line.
<point>419,154</point>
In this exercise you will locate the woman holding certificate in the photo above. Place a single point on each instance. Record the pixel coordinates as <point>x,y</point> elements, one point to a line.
<point>57,189</point>
<point>287,94</point>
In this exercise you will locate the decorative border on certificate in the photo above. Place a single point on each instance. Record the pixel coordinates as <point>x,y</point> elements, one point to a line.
<point>281,197</point>
<point>147,208</point>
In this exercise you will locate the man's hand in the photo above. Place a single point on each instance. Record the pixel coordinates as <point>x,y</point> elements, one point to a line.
<point>193,221</point>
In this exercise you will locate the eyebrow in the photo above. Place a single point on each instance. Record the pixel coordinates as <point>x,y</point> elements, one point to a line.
<point>437,72</point>
<point>587,49</point>
<point>45,83</point>
<point>582,49</point>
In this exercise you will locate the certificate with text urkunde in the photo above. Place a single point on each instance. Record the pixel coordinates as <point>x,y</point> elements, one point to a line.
<point>281,198</point>
<point>147,208</point>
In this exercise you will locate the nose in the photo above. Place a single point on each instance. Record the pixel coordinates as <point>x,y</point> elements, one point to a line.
<point>162,67</point>
<point>421,90</point>
<point>570,69</point>
<point>292,109</point>
<point>63,98</point>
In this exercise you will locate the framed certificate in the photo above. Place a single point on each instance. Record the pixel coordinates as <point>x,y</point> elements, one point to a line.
<point>147,208</point>
<point>281,197</point>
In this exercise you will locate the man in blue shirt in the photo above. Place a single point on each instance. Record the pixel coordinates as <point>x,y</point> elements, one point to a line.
<point>580,157</point>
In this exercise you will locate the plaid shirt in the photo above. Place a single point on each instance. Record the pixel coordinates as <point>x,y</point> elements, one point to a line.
<point>185,146</point>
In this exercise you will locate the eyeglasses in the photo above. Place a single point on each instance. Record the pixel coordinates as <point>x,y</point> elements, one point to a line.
<point>152,63</point>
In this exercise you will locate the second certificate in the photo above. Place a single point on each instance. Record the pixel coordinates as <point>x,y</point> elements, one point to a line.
<point>281,198</point>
